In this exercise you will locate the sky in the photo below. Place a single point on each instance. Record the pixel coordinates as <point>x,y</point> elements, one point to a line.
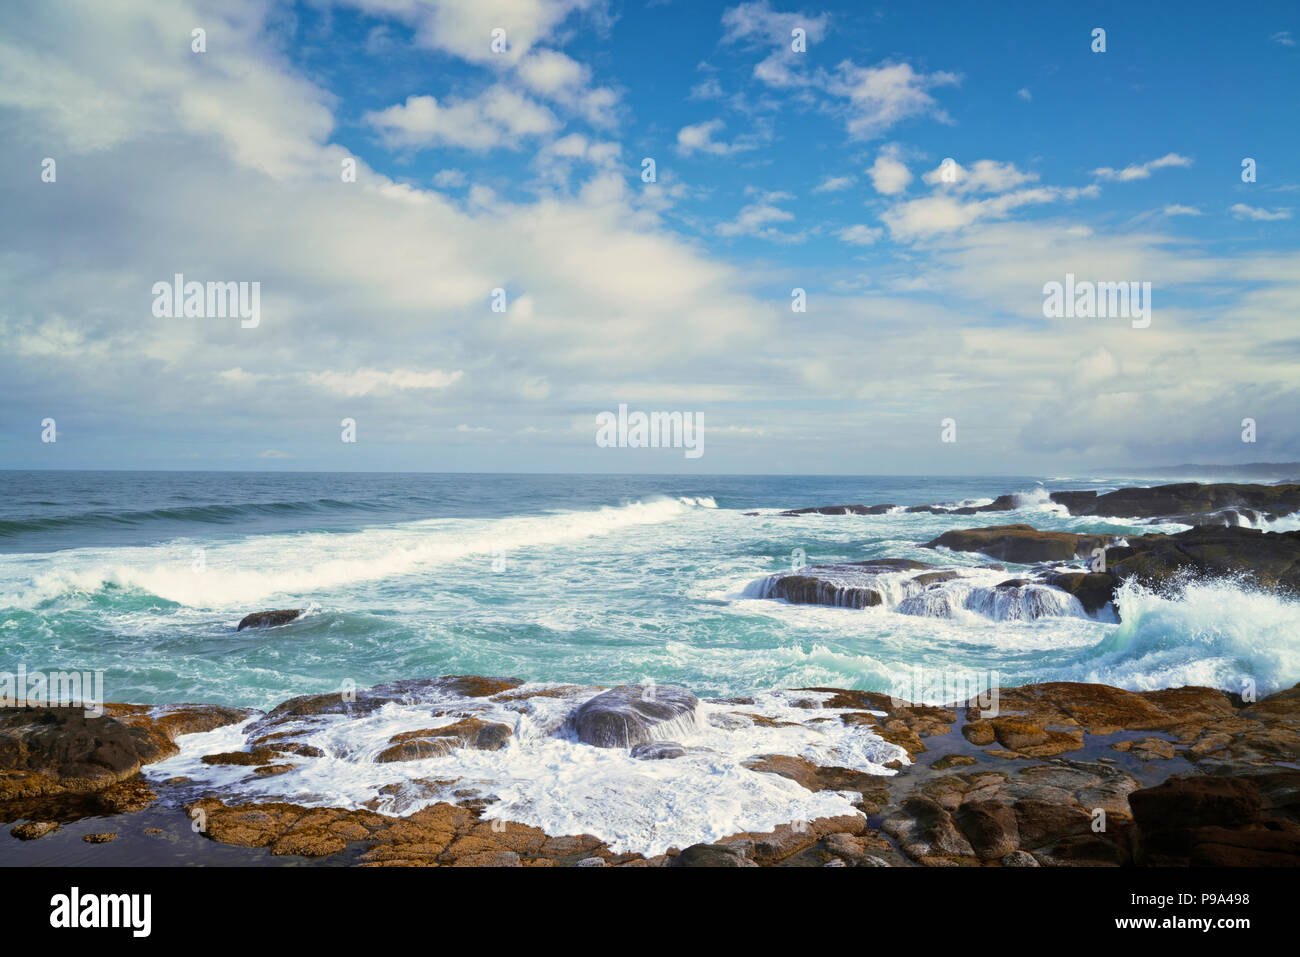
<point>502,268</point>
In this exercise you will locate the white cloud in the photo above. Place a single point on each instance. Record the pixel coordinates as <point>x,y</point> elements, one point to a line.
<point>449,179</point>
<point>833,184</point>
<point>1256,214</point>
<point>882,96</point>
<point>499,117</point>
<point>758,25</point>
<point>698,138</point>
<point>983,176</point>
<point>1141,170</point>
<point>1283,37</point>
<point>463,28</point>
<point>377,381</point>
<point>942,213</point>
<point>1176,209</point>
<point>889,175</point>
<point>558,77</point>
<point>860,235</point>
<point>1024,94</point>
<point>755,220</point>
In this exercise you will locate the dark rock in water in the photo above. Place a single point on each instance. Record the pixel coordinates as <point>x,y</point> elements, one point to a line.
<point>658,751</point>
<point>1020,543</point>
<point>1093,589</point>
<point>33,830</point>
<point>810,590</point>
<point>713,855</point>
<point>1271,559</point>
<point>269,619</point>
<point>435,742</point>
<point>1003,503</point>
<point>841,585</point>
<point>1227,516</point>
<point>934,578</point>
<point>1183,499</point>
<point>366,700</point>
<point>840,510</point>
<point>630,715</point>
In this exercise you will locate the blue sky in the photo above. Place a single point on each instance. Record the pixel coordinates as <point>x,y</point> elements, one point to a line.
<point>521,170</point>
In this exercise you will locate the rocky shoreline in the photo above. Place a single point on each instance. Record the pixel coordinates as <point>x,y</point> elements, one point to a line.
<point>1054,774</point>
<point>1185,503</point>
<point>1050,774</point>
<point>1098,564</point>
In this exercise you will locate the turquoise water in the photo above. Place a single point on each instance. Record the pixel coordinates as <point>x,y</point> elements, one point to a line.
<point>585,579</point>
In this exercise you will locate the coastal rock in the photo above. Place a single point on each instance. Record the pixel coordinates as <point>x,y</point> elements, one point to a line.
<point>435,742</point>
<point>1022,544</point>
<point>1271,559</point>
<point>658,751</point>
<point>1094,590</point>
<point>1183,499</point>
<point>713,855</point>
<point>1220,821</point>
<point>45,751</point>
<point>366,700</point>
<point>841,510</point>
<point>33,830</point>
<point>269,619</point>
<point>840,585</point>
<point>634,714</point>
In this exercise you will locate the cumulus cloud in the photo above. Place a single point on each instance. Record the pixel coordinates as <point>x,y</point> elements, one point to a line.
<point>882,96</point>
<point>889,175</point>
<point>758,25</point>
<point>464,30</point>
<point>499,117</point>
<point>860,235</point>
<point>1141,170</point>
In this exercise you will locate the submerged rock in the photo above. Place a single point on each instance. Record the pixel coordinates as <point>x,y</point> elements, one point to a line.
<point>658,751</point>
<point>269,619</point>
<point>634,714</point>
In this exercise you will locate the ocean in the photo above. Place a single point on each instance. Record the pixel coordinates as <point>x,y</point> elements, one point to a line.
<point>580,580</point>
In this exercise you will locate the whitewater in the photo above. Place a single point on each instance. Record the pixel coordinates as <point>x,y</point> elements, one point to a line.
<point>568,579</point>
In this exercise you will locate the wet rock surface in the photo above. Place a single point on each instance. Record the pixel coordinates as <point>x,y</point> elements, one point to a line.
<point>48,751</point>
<point>633,714</point>
<point>1021,543</point>
<point>1183,499</point>
<point>269,619</point>
<point>1055,774</point>
<point>1189,503</point>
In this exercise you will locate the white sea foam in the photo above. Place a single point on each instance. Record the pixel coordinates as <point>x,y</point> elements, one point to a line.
<point>545,778</point>
<point>253,570</point>
<point>1218,632</point>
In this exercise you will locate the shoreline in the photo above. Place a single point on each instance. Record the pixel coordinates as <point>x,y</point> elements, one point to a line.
<point>1019,788</point>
